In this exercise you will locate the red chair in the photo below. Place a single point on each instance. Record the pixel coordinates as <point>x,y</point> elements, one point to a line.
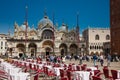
<point>96,78</point>
<point>35,74</point>
<point>83,68</point>
<point>26,68</point>
<point>114,74</point>
<point>84,64</point>
<point>62,73</point>
<point>106,74</point>
<point>65,65</point>
<point>69,75</point>
<point>49,73</point>
<point>97,73</point>
<point>64,78</point>
<point>88,69</point>
<point>105,67</point>
<point>78,67</point>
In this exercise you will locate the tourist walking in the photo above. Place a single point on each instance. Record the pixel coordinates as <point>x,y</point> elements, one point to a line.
<point>101,59</point>
<point>80,58</point>
<point>94,59</point>
<point>108,59</point>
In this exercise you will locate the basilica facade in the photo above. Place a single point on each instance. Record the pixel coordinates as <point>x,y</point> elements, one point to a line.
<point>46,39</point>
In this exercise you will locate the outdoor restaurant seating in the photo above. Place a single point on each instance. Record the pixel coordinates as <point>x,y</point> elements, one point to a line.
<point>106,73</point>
<point>115,74</point>
<point>96,78</point>
<point>4,75</point>
<point>64,78</point>
<point>22,70</point>
<point>97,73</point>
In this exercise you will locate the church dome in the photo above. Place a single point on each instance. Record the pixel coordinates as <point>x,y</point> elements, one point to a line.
<point>23,27</point>
<point>63,27</point>
<point>44,22</point>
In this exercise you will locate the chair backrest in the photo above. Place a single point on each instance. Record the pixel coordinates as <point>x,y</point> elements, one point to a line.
<point>35,67</point>
<point>84,64</point>
<point>106,72</point>
<point>64,78</point>
<point>96,78</point>
<point>105,67</point>
<point>69,75</point>
<point>62,73</point>
<point>114,74</point>
<point>45,70</point>
<point>96,73</point>
<point>78,67</point>
<point>88,69</point>
<point>83,68</point>
<point>30,65</point>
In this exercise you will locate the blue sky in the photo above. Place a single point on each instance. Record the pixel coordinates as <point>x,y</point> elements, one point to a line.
<point>94,13</point>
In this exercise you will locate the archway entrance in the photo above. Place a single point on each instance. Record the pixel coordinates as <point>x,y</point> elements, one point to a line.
<point>21,49</point>
<point>48,47</point>
<point>63,49</point>
<point>73,49</point>
<point>32,49</point>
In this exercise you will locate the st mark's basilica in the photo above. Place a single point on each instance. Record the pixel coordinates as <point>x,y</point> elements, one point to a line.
<point>45,39</point>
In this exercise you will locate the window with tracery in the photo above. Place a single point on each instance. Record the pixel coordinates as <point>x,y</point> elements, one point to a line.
<point>47,34</point>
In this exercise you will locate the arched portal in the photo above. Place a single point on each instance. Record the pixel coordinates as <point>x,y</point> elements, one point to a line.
<point>21,49</point>
<point>73,49</point>
<point>63,49</point>
<point>48,46</point>
<point>47,49</point>
<point>32,49</point>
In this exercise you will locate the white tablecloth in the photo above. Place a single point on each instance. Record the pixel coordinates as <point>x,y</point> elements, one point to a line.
<point>81,75</point>
<point>20,76</point>
<point>92,70</point>
<point>57,70</point>
<point>40,65</point>
<point>49,67</point>
<point>118,74</point>
<point>14,70</point>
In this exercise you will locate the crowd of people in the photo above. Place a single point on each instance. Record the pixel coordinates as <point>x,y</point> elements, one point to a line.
<point>90,58</point>
<point>58,58</point>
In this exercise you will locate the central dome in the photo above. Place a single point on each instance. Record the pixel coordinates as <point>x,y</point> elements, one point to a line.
<point>43,22</point>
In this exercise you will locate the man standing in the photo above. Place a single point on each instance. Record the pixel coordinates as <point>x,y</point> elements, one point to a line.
<point>101,59</point>
<point>94,59</point>
<point>108,59</point>
<point>80,57</point>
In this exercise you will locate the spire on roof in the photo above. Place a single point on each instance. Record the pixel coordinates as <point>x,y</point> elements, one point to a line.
<point>45,13</point>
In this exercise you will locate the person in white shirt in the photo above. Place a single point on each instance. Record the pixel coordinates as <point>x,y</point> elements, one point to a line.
<point>63,59</point>
<point>101,60</point>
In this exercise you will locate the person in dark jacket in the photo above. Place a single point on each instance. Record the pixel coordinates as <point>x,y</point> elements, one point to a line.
<point>94,59</point>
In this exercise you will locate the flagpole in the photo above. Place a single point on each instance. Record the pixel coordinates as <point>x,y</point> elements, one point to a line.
<point>53,33</point>
<point>26,23</point>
